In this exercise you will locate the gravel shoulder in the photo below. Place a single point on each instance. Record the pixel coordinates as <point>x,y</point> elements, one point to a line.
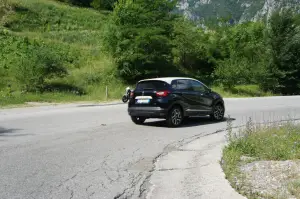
<point>269,178</point>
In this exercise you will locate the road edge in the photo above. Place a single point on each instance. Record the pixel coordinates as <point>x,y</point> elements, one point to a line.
<point>194,169</point>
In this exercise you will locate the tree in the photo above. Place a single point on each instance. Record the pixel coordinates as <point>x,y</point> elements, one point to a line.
<point>193,49</point>
<point>284,41</point>
<point>244,54</point>
<point>139,36</point>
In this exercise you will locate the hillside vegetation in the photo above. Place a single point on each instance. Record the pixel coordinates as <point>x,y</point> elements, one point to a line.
<point>55,51</point>
<point>53,48</point>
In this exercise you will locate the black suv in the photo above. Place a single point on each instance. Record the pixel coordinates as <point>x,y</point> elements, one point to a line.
<point>173,99</point>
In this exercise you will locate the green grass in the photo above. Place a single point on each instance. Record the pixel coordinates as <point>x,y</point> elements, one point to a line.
<point>47,15</point>
<point>73,34</point>
<point>242,91</point>
<point>294,188</point>
<point>272,143</point>
<point>97,94</point>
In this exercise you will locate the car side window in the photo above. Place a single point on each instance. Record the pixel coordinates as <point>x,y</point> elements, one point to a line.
<point>197,86</point>
<point>182,84</point>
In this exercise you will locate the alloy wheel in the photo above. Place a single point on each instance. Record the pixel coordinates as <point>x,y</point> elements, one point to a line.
<point>218,112</point>
<point>176,117</point>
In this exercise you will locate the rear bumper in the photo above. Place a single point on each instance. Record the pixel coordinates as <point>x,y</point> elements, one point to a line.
<point>149,112</point>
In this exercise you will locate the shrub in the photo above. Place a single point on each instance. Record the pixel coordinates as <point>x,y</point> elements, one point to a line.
<point>36,66</point>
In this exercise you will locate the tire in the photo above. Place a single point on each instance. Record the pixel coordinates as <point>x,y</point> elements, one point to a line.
<point>218,112</point>
<point>124,98</point>
<point>138,120</point>
<point>175,117</point>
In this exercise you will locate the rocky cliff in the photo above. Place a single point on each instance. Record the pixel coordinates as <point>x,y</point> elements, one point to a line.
<point>237,10</point>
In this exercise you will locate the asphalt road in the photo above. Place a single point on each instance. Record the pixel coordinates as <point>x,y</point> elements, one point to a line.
<point>95,151</point>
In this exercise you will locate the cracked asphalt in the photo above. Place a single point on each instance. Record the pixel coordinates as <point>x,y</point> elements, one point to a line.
<point>95,151</point>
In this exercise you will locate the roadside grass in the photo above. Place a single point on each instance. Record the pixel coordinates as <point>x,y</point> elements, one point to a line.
<point>242,91</point>
<point>96,94</point>
<point>70,90</point>
<point>278,143</point>
<point>294,188</point>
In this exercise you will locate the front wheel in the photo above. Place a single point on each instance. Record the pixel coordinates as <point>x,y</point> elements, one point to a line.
<point>218,112</point>
<point>138,120</point>
<point>124,98</point>
<point>175,117</point>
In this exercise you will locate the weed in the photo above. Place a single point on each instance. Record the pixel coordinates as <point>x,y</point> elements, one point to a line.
<point>294,188</point>
<point>274,142</point>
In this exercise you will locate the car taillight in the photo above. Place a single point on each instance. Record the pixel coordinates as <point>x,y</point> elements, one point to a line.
<point>162,93</point>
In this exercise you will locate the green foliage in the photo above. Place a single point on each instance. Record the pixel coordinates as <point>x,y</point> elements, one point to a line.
<point>139,37</point>
<point>31,63</point>
<point>46,16</point>
<point>194,50</point>
<point>38,65</point>
<point>84,3</point>
<point>97,4</point>
<point>284,40</point>
<point>103,4</point>
<point>244,50</point>
<point>5,9</point>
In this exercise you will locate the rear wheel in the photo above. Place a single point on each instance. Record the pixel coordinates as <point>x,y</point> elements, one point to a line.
<point>124,98</point>
<point>218,112</point>
<point>175,117</point>
<point>138,120</point>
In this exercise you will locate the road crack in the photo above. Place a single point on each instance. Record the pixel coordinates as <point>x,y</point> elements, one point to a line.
<point>128,192</point>
<point>72,192</point>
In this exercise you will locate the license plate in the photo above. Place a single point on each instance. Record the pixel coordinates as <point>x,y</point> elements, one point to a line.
<point>143,101</point>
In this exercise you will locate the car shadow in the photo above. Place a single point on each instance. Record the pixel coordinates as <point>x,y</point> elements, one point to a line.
<point>10,132</point>
<point>190,122</point>
<point>99,105</point>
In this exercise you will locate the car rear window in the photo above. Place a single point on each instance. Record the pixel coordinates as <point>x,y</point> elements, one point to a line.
<point>155,85</point>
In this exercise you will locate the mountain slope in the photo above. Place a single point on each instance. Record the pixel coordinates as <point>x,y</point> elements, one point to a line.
<point>237,10</point>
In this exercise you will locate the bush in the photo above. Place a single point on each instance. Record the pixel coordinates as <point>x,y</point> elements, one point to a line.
<point>243,55</point>
<point>36,66</point>
<point>30,63</point>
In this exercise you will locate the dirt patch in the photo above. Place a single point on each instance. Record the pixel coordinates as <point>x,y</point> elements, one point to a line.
<point>271,179</point>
